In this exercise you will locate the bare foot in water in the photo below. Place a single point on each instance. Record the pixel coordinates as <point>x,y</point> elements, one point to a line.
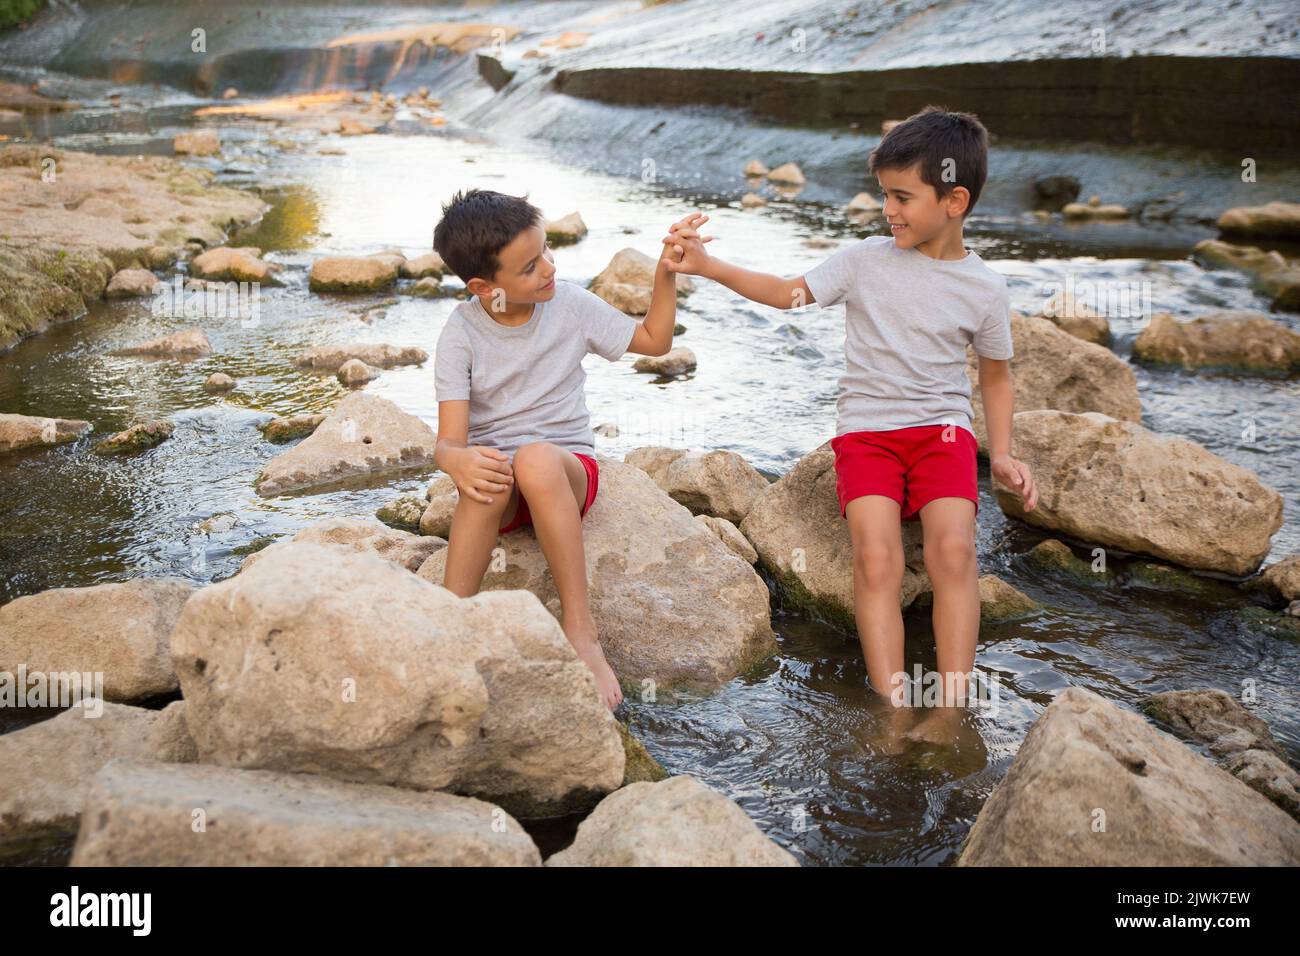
<point>940,726</point>
<point>583,638</point>
<point>887,734</point>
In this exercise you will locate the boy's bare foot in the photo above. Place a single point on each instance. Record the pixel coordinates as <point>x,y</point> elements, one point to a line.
<point>939,727</point>
<point>582,635</point>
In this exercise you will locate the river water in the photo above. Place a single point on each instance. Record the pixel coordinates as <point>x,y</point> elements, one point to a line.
<point>795,741</point>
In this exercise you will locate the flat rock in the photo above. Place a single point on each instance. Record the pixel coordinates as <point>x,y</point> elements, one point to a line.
<point>1277,220</point>
<point>1212,717</point>
<point>352,274</point>
<point>59,757</point>
<point>362,436</point>
<point>1119,485</point>
<point>363,536</point>
<point>429,265</point>
<point>1238,340</point>
<point>199,142</point>
<point>674,609</point>
<point>1095,785</point>
<point>186,344</point>
<point>330,358</point>
<point>317,660</point>
<point>227,264</point>
<point>25,431</point>
<point>675,822</point>
<point>120,630</point>
<point>144,814</point>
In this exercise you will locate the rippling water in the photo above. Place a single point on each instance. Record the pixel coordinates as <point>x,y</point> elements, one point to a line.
<point>798,742</point>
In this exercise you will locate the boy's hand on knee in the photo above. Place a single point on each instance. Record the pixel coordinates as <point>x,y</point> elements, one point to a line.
<point>480,472</point>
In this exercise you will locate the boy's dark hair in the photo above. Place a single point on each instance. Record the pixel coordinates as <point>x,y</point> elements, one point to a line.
<point>476,225</point>
<point>932,136</point>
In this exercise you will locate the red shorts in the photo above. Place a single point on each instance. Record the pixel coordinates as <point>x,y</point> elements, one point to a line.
<point>911,465</point>
<point>524,518</point>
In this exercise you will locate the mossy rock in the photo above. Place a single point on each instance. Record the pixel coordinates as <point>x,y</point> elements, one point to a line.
<point>1055,557</point>
<point>138,437</point>
<point>1165,578</point>
<point>1263,621</point>
<point>403,513</point>
<point>640,766</point>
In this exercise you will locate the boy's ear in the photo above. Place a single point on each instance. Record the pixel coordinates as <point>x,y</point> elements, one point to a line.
<point>957,201</point>
<point>478,286</point>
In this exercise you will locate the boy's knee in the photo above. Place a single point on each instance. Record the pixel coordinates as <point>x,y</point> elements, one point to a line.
<point>878,563</point>
<point>536,463</point>
<point>949,553</point>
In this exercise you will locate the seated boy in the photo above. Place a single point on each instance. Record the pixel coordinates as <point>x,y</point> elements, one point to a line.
<point>904,448</point>
<point>513,429</point>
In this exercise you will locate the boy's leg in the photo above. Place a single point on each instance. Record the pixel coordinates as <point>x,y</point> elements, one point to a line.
<point>876,532</point>
<point>948,526</point>
<point>555,484</point>
<point>473,534</point>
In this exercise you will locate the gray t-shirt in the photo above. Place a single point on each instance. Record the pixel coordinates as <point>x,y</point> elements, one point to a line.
<point>908,321</point>
<point>526,384</point>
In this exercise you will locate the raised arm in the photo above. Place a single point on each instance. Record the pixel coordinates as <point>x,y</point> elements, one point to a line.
<point>762,287</point>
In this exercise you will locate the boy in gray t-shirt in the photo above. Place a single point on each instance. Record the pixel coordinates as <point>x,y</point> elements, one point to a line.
<point>513,429</point>
<point>904,448</point>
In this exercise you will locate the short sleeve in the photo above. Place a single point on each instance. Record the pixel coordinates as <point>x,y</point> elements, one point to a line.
<point>830,281</point>
<point>608,331</point>
<point>453,361</point>
<point>993,337</point>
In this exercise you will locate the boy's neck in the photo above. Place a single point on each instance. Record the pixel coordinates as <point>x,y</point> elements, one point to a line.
<point>514,313</point>
<point>946,245</point>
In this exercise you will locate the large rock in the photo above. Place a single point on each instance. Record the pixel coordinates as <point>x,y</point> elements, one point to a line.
<point>1116,484</point>
<point>65,236</point>
<point>330,358</point>
<point>51,764</point>
<point>362,436</point>
<point>1212,717</point>
<point>1278,220</point>
<point>25,431</point>
<point>229,264</point>
<point>1094,785</point>
<point>320,661</point>
<point>803,542</point>
<point>1073,317</point>
<point>675,822</point>
<point>628,280</point>
<point>120,630</point>
<point>360,536</point>
<point>1238,340</point>
<point>675,608</point>
<point>730,535</point>
<point>1054,369</point>
<point>718,483</point>
<point>156,814</point>
<point>185,344</point>
<point>352,274</point>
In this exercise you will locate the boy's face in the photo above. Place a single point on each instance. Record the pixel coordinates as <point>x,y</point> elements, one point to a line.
<point>913,208</point>
<point>527,272</point>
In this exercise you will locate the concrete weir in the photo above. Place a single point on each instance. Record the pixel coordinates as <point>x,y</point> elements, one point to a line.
<point>1245,102</point>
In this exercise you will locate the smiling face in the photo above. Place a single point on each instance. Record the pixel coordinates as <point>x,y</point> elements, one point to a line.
<point>527,272</point>
<point>914,210</point>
